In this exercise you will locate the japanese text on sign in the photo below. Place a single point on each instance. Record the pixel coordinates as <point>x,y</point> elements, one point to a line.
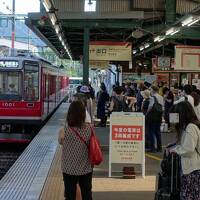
<point>127,132</point>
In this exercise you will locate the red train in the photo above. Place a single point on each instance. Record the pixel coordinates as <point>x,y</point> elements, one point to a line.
<point>30,90</point>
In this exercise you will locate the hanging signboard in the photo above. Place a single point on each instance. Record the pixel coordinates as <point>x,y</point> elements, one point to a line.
<point>110,51</point>
<point>187,57</point>
<point>96,64</point>
<point>127,139</point>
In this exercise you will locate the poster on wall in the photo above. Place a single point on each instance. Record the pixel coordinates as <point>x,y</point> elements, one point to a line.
<point>187,57</point>
<point>110,51</point>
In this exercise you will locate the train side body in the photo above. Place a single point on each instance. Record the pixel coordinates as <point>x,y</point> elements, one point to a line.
<point>30,90</point>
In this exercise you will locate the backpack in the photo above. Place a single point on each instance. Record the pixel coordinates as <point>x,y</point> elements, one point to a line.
<point>119,105</point>
<point>155,115</point>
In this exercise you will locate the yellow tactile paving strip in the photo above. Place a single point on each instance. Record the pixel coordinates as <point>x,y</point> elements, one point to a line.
<point>54,188</point>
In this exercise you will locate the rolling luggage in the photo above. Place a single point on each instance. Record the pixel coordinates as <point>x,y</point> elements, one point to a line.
<point>169,179</point>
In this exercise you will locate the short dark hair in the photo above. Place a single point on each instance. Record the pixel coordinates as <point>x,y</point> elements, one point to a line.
<point>76,114</point>
<point>196,98</point>
<point>165,90</point>
<point>187,89</point>
<point>118,90</point>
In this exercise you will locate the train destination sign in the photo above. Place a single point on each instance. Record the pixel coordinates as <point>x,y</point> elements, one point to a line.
<point>9,64</point>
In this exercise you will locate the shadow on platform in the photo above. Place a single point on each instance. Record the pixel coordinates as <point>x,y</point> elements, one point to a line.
<point>124,195</point>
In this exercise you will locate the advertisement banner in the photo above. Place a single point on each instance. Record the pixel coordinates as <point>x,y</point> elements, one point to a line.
<point>110,51</point>
<point>127,139</point>
<point>187,57</point>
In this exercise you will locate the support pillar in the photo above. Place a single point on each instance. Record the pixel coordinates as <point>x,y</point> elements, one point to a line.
<point>86,56</point>
<point>170,11</point>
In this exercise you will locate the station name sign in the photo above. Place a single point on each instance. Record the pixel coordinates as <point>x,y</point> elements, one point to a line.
<point>9,64</point>
<point>110,51</point>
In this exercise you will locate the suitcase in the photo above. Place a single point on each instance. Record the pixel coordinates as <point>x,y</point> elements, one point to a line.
<point>169,185</point>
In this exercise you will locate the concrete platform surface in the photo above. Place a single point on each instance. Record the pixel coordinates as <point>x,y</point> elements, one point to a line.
<point>124,189</point>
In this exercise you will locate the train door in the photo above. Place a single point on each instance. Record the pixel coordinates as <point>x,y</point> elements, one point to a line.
<point>31,81</point>
<point>45,95</point>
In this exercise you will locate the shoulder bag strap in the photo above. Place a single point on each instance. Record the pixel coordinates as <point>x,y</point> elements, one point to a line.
<point>155,99</point>
<point>78,135</point>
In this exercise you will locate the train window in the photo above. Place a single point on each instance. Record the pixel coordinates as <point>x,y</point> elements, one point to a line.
<point>10,85</point>
<point>31,81</point>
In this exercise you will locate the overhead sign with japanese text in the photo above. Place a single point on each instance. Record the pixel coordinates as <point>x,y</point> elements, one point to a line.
<point>96,64</point>
<point>127,139</point>
<point>110,51</point>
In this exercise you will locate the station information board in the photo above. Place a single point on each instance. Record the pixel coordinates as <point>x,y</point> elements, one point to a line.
<point>126,144</point>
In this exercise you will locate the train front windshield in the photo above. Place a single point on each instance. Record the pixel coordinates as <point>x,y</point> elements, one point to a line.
<point>10,85</point>
<point>19,82</point>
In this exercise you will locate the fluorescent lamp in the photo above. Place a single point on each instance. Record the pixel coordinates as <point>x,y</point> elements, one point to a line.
<point>53,18</point>
<point>161,38</point>
<point>187,21</point>
<point>168,32</point>
<point>47,5</point>
<point>156,39</point>
<point>60,38</point>
<point>146,45</point>
<point>195,21</point>
<point>175,32</point>
<point>141,48</point>
<point>63,43</point>
<point>134,51</point>
<point>172,31</point>
<point>57,28</point>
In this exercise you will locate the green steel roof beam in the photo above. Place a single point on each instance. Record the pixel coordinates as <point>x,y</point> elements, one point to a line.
<point>170,13</point>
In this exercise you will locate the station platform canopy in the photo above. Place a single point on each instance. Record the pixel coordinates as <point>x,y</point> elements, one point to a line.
<point>61,23</point>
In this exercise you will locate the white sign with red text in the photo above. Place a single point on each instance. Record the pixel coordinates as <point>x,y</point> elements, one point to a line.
<point>127,139</point>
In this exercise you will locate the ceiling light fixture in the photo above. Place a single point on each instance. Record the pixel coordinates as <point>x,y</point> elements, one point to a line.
<point>187,21</point>
<point>158,38</point>
<point>47,5</point>
<point>195,21</point>
<point>53,18</point>
<point>172,31</point>
<point>141,48</point>
<point>190,20</point>
<point>134,51</point>
<point>146,45</point>
<point>161,38</point>
<point>57,28</point>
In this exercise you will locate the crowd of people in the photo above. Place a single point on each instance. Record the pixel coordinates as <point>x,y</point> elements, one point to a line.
<point>156,103</point>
